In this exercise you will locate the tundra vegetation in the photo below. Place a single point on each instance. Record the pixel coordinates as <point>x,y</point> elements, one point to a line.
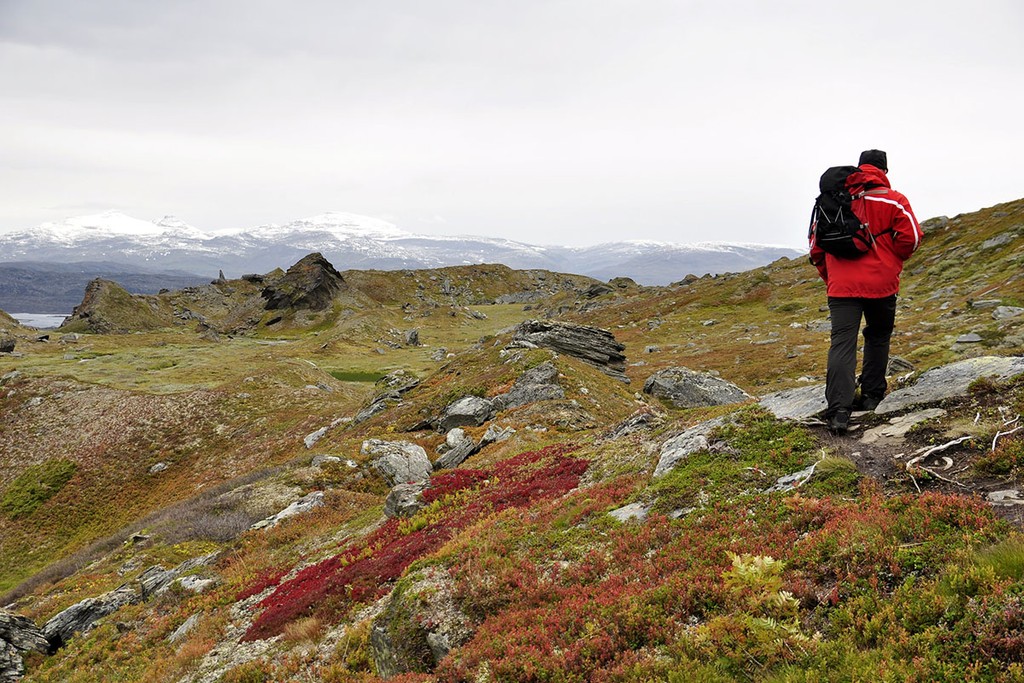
<point>154,430</point>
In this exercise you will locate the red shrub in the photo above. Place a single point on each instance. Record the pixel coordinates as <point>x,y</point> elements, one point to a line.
<point>367,570</point>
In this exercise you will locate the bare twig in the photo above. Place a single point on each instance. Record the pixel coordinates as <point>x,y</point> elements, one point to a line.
<point>928,452</point>
<point>946,479</point>
<point>999,434</point>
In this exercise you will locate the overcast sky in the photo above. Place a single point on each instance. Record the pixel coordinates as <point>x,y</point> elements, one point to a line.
<point>546,121</point>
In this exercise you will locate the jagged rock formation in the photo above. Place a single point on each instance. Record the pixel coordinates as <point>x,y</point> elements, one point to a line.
<point>18,635</point>
<point>685,388</point>
<point>312,284</point>
<point>592,345</point>
<point>82,617</point>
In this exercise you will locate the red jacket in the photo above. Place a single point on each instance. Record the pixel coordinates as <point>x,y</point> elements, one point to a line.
<point>876,274</point>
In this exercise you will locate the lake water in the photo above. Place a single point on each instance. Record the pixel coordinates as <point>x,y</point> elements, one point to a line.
<point>42,321</point>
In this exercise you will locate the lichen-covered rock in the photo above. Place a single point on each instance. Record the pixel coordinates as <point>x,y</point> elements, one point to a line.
<point>681,446</point>
<point>591,345</point>
<point>18,635</point>
<point>685,388</point>
<point>398,461</point>
<point>460,447</point>
<point>311,284</point>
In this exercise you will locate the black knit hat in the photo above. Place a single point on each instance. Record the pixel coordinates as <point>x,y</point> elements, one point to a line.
<point>876,158</point>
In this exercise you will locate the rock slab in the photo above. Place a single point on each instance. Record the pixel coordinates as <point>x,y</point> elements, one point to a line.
<point>949,381</point>
<point>591,345</point>
<point>685,388</point>
<point>796,404</point>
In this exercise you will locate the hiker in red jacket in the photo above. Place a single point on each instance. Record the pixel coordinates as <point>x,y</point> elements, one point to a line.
<point>866,287</point>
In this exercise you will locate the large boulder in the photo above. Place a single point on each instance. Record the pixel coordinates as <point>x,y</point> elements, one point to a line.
<point>398,461</point>
<point>591,345</point>
<point>685,388</point>
<point>468,411</point>
<point>7,344</point>
<point>950,381</point>
<point>312,284</point>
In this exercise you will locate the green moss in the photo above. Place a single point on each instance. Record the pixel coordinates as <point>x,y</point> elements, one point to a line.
<point>35,486</point>
<point>833,476</point>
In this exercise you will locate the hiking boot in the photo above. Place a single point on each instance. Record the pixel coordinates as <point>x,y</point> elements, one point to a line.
<point>839,423</point>
<point>866,403</point>
<point>869,403</point>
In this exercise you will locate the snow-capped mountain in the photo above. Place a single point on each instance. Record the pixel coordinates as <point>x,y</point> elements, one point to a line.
<point>351,241</point>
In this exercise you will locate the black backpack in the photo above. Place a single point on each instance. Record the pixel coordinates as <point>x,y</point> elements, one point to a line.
<point>834,227</point>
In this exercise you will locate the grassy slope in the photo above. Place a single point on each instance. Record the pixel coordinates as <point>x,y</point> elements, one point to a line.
<point>645,602</point>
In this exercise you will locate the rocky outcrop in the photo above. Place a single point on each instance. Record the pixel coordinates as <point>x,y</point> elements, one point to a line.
<point>950,381</point>
<point>82,617</point>
<point>305,504</point>
<point>311,284</point>
<point>7,344</point>
<point>390,390</point>
<point>18,635</point>
<point>685,388</point>
<point>539,383</point>
<point>419,626</point>
<point>107,308</point>
<point>398,461</point>
<point>591,345</point>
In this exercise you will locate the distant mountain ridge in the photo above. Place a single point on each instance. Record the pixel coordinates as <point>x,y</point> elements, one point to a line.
<point>355,242</point>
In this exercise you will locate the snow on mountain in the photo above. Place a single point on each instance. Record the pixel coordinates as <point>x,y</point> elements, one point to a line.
<point>351,241</point>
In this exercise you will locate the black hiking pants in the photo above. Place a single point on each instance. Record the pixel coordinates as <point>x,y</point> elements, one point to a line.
<point>840,381</point>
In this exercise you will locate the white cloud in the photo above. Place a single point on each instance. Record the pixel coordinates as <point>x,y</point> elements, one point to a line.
<point>575,122</point>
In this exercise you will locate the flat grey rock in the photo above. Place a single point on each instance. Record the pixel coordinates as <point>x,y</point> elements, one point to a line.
<point>949,381</point>
<point>900,425</point>
<point>796,404</point>
<point>637,511</point>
